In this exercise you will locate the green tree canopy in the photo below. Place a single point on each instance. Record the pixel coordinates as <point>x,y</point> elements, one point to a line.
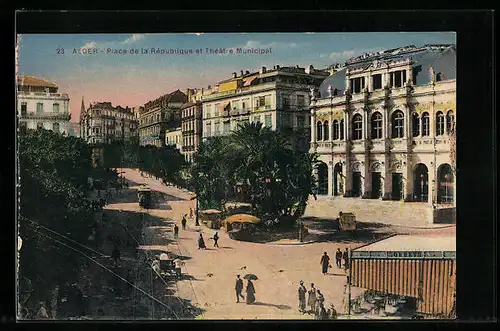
<point>54,172</point>
<point>278,176</point>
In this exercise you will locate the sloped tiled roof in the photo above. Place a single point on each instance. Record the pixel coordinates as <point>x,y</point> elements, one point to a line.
<point>34,81</point>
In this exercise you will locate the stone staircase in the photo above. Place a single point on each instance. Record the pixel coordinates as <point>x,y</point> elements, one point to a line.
<point>414,214</point>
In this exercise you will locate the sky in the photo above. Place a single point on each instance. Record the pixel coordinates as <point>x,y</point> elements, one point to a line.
<point>130,79</point>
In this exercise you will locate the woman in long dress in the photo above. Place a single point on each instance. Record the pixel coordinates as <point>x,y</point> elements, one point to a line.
<point>201,242</point>
<point>250,292</point>
<point>311,300</point>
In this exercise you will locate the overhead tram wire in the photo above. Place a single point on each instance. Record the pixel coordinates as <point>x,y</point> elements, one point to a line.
<point>110,271</point>
<point>166,285</point>
<point>63,236</point>
<point>82,245</point>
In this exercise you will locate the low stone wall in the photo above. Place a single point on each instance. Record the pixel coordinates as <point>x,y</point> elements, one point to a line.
<point>387,212</point>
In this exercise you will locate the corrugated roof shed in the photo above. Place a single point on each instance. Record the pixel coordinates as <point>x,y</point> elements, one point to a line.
<point>401,243</point>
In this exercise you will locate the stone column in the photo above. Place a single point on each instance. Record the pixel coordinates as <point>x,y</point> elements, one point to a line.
<point>367,181</point>
<point>313,126</point>
<point>370,82</point>
<point>347,126</point>
<point>408,182</point>
<point>387,181</point>
<point>346,170</point>
<point>330,178</point>
<point>432,191</point>
<point>406,123</point>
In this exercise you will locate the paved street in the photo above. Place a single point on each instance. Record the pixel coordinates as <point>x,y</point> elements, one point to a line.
<point>212,272</point>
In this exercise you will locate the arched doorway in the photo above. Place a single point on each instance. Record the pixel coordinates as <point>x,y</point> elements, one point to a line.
<point>322,178</point>
<point>421,183</point>
<point>446,182</point>
<point>338,188</point>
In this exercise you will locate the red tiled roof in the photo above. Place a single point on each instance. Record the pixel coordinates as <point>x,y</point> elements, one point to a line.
<point>34,81</point>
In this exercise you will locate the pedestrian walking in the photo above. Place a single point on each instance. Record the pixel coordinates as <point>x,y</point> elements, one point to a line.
<point>338,258</point>
<point>190,212</point>
<point>311,299</point>
<point>239,288</point>
<point>345,256</point>
<point>183,222</point>
<point>201,242</point>
<point>325,262</point>
<point>302,297</point>
<point>216,237</point>
<point>176,231</point>
<point>250,292</point>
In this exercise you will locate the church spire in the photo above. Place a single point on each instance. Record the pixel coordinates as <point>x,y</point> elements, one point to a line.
<point>82,110</point>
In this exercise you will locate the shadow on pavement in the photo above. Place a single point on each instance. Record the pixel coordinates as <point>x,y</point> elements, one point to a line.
<point>181,257</point>
<point>271,305</point>
<point>188,277</point>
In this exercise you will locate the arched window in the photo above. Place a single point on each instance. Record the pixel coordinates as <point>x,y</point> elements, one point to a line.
<point>415,121</point>
<point>319,131</point>
<point>326,132</point>
<point>376,125</point>
<point>357,127</point>
<point>341,129</point>
<point>439,123</point>
<point>397,124</point>
<point>450,122</point>
<point>425,125</point>
<point>336,130</point>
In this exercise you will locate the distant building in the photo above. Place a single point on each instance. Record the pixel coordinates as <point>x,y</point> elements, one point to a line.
<point>159,115</point>
<point>384,127</point>
<point>278,98</point>
<point>137,111</point>
<point>39,105</point>
<point>74,129</point>
<point>191,124</point>
<point>173,137</point>
<point>103,123</point>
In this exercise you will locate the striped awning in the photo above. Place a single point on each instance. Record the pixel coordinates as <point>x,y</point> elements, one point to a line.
<point>249,81</point>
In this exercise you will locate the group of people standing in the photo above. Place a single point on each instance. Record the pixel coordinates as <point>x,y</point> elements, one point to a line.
<point>315,302</point>
<point>201,240</point>
<point>339,256</point>
<point>250,291</point>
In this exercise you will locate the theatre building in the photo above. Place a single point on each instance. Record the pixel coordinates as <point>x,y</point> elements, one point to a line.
<point>383,125</point>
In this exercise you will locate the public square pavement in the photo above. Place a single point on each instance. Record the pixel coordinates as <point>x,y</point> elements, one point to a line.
<point>211,274</point>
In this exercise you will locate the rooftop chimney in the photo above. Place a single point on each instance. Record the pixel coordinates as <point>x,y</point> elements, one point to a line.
<point>262,70</point>
<point>247,72</point>
<point>241,72</point>
<point>209,87</point>
<point>277,66</point>
<point>234,75</point>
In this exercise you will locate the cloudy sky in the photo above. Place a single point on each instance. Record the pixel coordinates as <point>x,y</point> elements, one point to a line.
<point>134,79</point>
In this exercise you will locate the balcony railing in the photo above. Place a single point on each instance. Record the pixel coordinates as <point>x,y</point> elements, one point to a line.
<point>43,94</point>
<point>53,115</point>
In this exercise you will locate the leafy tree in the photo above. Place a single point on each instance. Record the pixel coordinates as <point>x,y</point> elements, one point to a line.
<point>54,172</point>
<point>278,175</point>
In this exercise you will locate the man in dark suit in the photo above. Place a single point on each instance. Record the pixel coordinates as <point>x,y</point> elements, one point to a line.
<point>345,256</point>
<point>239,288</point>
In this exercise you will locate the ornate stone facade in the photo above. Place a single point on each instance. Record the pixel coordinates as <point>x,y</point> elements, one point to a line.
<point>387,138</point>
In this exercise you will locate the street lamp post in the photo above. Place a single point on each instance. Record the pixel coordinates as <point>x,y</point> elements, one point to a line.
<point>197,219</point>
